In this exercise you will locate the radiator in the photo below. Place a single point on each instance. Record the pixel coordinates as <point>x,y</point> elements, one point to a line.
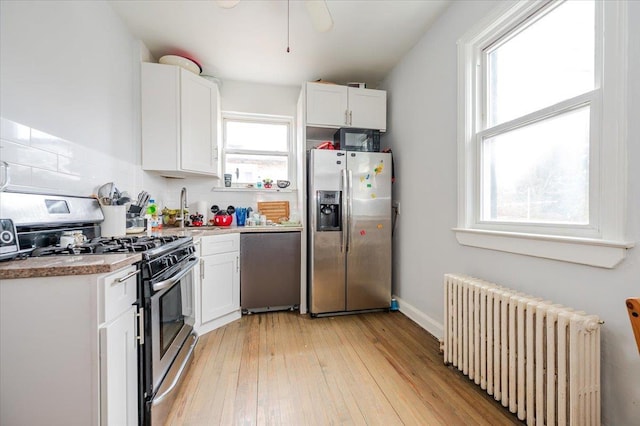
<point>539,359</point>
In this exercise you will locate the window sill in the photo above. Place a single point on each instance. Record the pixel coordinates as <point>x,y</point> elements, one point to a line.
<point>600,253</point>
<point>245,189</point>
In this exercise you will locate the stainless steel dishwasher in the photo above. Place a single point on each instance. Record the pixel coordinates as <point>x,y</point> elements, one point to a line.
<point>269,271</point>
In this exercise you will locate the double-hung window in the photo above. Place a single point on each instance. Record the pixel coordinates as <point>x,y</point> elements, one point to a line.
<point>541,131</point>
<point>257,147</point>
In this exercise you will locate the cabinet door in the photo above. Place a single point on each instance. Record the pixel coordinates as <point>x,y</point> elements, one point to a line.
<point>326,105</point>
<point>160,116</point>
<point>119,371</point>
<point>199,132</point>
<point>217,244</point>
<point>220,285</point>
<point>367,108</point>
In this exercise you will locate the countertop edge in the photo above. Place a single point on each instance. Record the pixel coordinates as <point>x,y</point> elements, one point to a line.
<point>207,231</point>
<point>57,267</point>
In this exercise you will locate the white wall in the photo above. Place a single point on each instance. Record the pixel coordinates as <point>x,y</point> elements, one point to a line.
<point>422,134</point>
<point>259,98</point>
<point>69,108</point>
<point>69,74</point>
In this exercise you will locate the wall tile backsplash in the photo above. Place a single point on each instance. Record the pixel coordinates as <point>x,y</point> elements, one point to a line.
<point>39,162</point>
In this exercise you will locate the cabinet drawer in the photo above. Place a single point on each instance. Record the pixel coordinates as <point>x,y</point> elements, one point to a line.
<point>220,244</point>
<point>118,291</point>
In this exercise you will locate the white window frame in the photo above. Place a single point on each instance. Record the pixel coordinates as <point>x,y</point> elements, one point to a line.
<point>601,243</point>
<point>266,119</point>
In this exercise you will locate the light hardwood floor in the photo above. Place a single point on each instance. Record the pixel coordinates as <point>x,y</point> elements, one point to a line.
<point>289,369</point>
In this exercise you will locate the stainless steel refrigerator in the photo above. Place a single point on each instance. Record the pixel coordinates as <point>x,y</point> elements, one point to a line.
<point>349,207</point>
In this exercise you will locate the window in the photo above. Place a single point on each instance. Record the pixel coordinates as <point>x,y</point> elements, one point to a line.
<point>257,147</point>
<point>541,126</point>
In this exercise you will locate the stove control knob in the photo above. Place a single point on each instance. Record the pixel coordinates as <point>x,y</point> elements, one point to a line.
<point>6,237</point>
<point>170,260</point>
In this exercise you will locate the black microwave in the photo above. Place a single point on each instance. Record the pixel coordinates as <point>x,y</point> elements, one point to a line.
<point>350,139</point>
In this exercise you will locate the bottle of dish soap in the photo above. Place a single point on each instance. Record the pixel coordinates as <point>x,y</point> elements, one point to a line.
<point>153,224</point>
<point>152,209</point>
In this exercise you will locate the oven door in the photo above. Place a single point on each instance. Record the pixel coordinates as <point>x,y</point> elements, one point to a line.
<point>172,319</point>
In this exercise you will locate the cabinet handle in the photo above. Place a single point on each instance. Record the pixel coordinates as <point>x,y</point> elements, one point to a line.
<point>126,277</point>
<point>215,153</point>
<point>346,116</point>
<point>350,118</point>
<point>140,316</point>
<point>201,269</point>
<point>237,263</point>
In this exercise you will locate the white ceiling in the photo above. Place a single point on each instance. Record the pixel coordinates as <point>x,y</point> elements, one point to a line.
<point>249,41</point>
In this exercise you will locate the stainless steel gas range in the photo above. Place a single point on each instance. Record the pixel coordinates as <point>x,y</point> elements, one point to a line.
<point>166,295</point>
<point>34,225</point>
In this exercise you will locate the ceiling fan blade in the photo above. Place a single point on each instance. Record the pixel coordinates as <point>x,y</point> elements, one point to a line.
<point>227,4</point>
<point>319,14</point>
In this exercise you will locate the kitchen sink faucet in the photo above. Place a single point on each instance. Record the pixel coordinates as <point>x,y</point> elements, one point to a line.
<point>183,205</point>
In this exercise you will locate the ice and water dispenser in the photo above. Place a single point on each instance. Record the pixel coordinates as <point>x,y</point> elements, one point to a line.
<point>328,211</point>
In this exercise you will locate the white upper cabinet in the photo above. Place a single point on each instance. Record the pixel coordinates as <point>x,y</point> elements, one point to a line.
<point>331,105</point>
<point>180,122</point>
<point>367,108</point>
<point>327,105</point>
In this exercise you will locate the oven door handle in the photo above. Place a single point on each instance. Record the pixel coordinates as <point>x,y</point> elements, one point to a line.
<point>174,279</point>
<point>176,374</point>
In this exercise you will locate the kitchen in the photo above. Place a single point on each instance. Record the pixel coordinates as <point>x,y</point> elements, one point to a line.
<point>69,70</point>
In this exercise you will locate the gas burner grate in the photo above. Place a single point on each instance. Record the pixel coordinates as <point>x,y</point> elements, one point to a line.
<point>52,250</point>
<point>104,245</point>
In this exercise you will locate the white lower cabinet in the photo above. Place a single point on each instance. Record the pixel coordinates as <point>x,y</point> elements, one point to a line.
<point>218,295</point>
<point>68,350</point>
<point>119,350</point>
<point>118,364</point>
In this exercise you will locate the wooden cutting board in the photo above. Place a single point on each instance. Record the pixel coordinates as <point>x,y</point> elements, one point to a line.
<point>633,305</point>
<point>274,210</point>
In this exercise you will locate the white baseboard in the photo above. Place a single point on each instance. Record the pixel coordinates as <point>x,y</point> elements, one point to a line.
<point>431,325</point>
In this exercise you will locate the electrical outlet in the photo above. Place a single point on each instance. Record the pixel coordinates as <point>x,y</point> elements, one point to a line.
<point>396,207</point>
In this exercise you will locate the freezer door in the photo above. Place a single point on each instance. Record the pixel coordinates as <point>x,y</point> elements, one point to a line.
<point>326,253</point>
<point>369,231</point>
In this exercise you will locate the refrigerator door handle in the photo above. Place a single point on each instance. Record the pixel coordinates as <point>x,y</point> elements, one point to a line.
<point>349,207</point>
<point>343,208</point>
<point>316,208</point>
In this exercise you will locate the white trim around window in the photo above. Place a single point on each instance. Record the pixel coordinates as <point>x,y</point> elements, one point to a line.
<point>290,152</point>
<point>600,243</point>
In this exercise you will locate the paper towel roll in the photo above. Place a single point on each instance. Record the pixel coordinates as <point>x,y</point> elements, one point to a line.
<point>115,221</point>
<point>199,207</point>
